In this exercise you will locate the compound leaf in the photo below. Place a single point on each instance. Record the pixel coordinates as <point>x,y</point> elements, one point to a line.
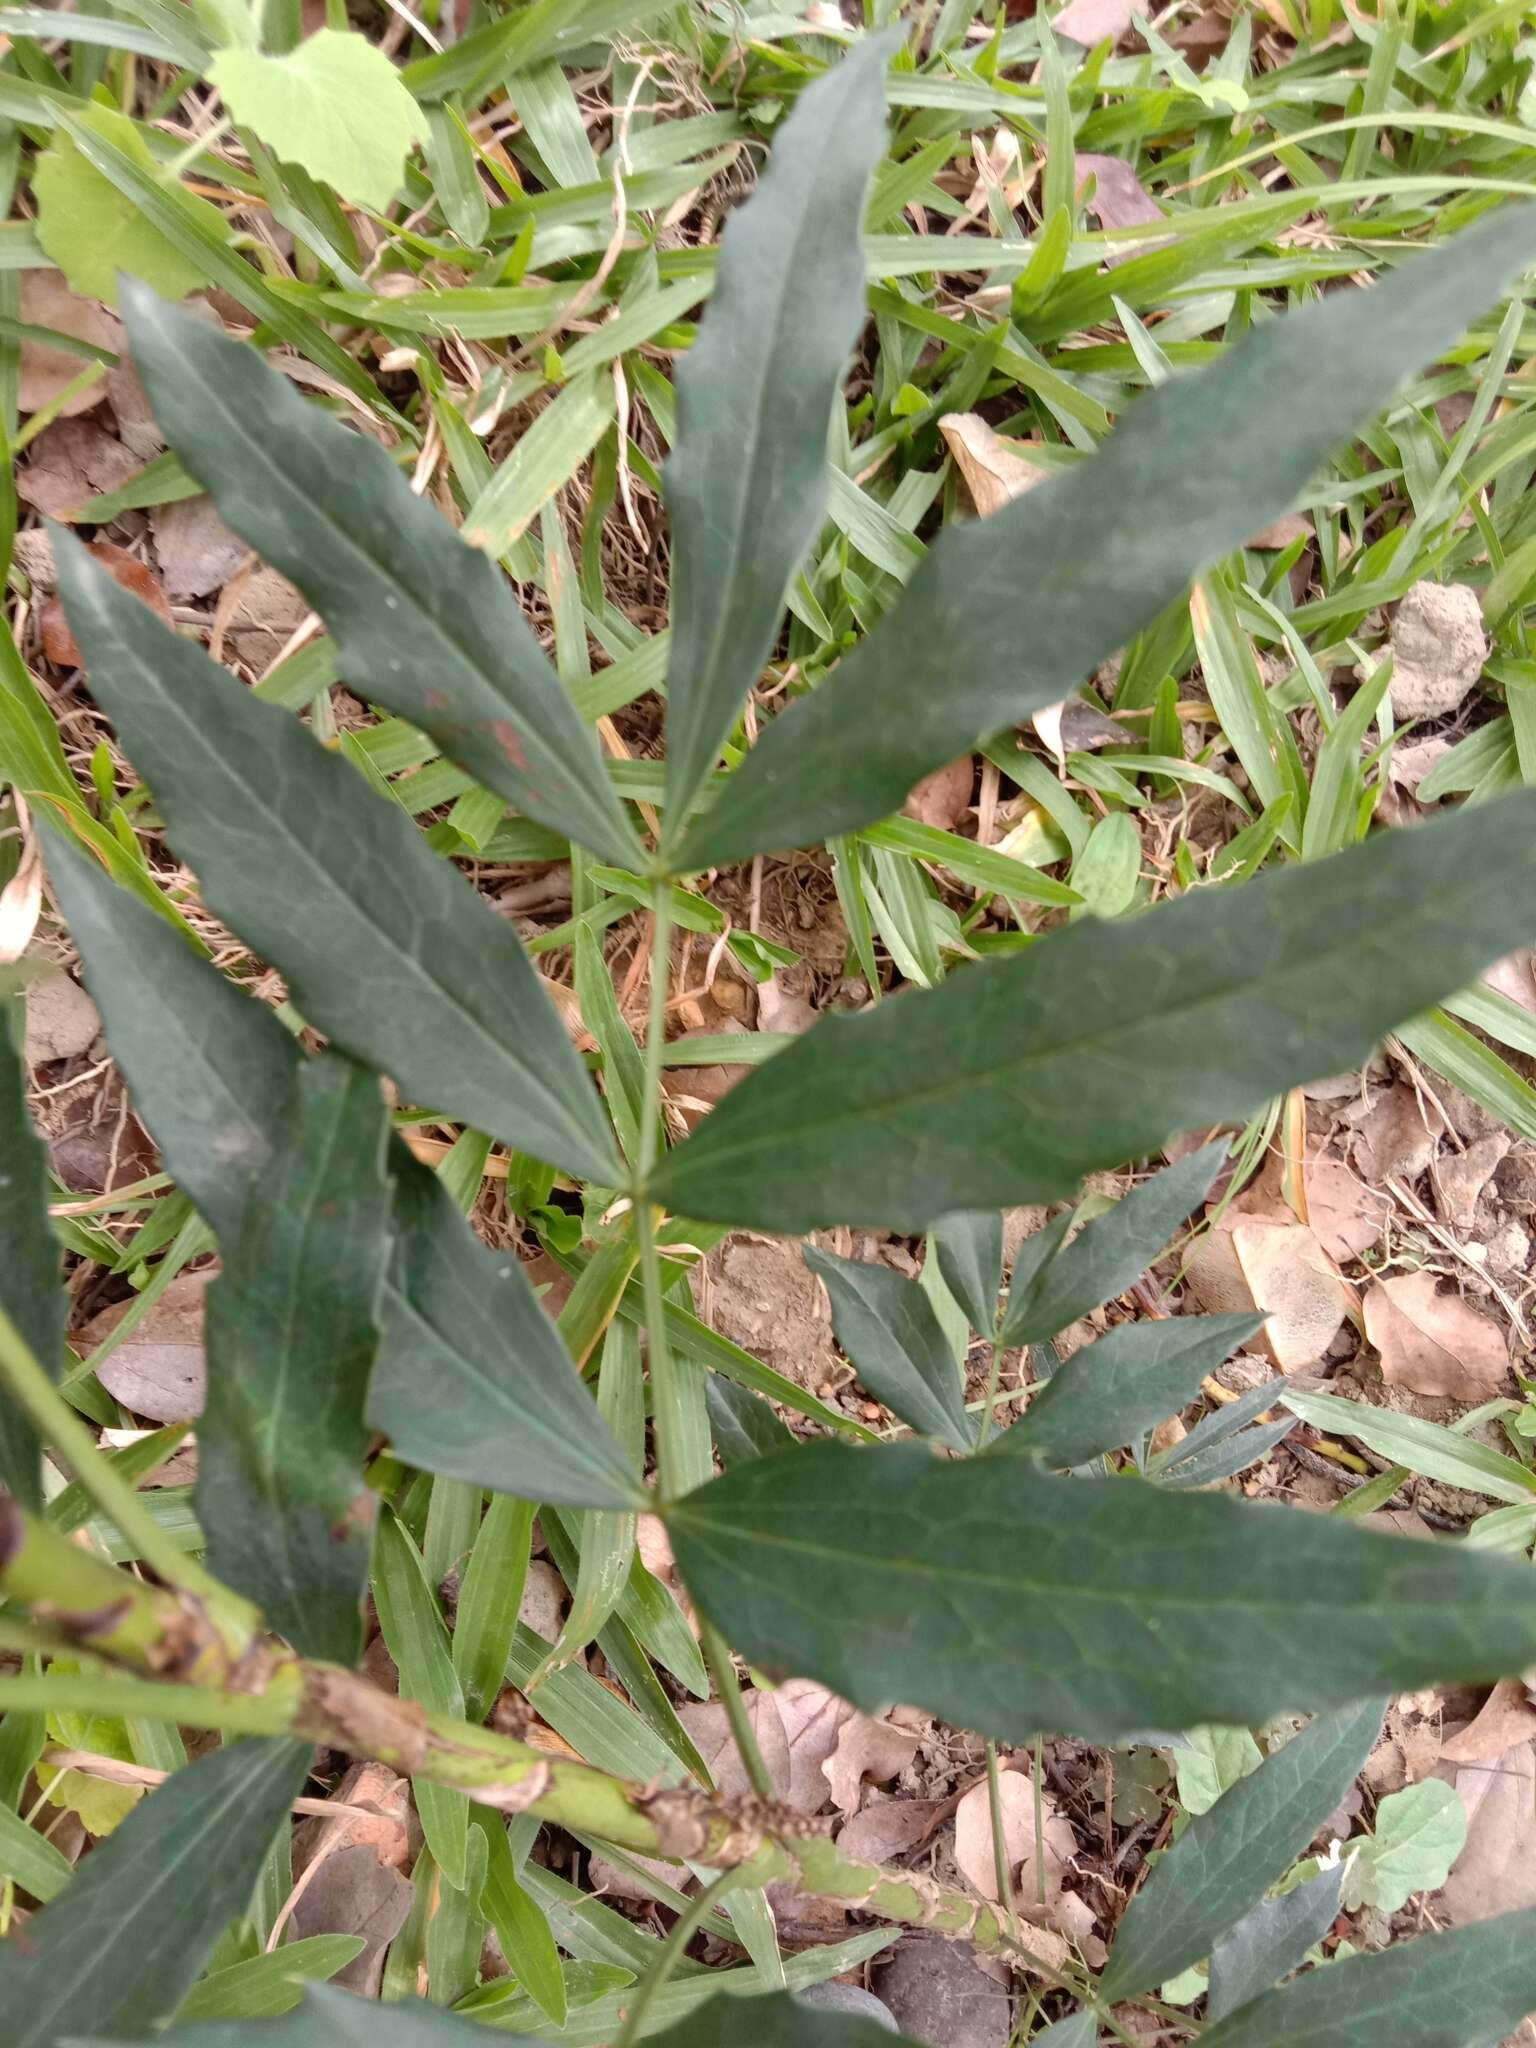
<point>1130,1380</point>
<point>30,1290</point>
<point>1009,613</point>
<point>385,948</point>
<point>1472,1985</point>
<point>1010,1600</point>
<point>1112,1251</point>
<point>292,1333</point>
<point>123,1943</point>
<point>425,625</point>
<point>334,106</point>
<point>886,1326</point>
<point>1229,1856</point>
<point>1013,1079</point>
<point>472,1379</point>
<point>747,481</point>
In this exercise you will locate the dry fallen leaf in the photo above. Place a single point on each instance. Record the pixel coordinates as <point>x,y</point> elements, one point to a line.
<point>69,463</point>
<point>1433,1343</point>
<point>710,1733</point>
<point>350,1872</point>
<point>780,1010</point>
<point>1515,976</point>
<point>1506,1717</point>
<point>160,1370</point>
<point>198,552</point>
<point>1089,21</point>
<point>866,1748</point>
<point>1119,198</point>
<point>1348,1216</point>
<point>47,301</point>
<point>813,1719</point>
<point>994,470</point>
<point>1282,531</point>
<point>1496,1870</point>
<point>1460,1177</point>
<point>59,643</point>
<point>1281,1269</point>
<point>1398,1136</point>
<point>973,1841</point>
<point>890,1827</point>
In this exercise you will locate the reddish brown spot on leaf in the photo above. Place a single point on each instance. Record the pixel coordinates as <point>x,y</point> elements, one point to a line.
<point>511,745</point>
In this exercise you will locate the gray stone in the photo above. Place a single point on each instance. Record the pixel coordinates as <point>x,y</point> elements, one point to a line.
<point>936,1993</point>
<point>848,1998</point>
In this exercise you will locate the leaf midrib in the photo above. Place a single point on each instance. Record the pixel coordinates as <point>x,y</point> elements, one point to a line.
<point>787,1126</point>
<point>327,879</point>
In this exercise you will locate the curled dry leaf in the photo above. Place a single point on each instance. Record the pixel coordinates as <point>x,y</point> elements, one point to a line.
<point>22,897</point>
<point>974,1855</point>
<point>69,463</point>
<point>1281,1269</point>
<point>1507,1717</point>
<point>1433,1343</point>
<point>350,1872</point>
<point>1460,1177</point>
<point>198,552</point>
<point>160,1370</point>
<point>1398,1136</point>
<point>813,1718</point>
<point>995,471</point>
<point>1119,198</point>
<point>866,1748</point>
<point>59,643</point>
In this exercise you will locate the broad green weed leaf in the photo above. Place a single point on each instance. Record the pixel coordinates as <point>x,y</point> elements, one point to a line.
<point>292,1333</point>
<point>384,946</point>
<point>746,483</point>
<point>1418,1835</point>
<point>31,1291</point>
<point>472,1379</point>
<point>1111,1252</point>
<point>122,1944</point>
<point>1128,1381</point>
<point>1009,1600</point>
<point>92,231</point>
<point>1227,1858</point>
<point>1014,1078</point>
<point>969,1249</point>
<point>1210,1761</point>
<point>1271,1941</point>
<point>424,624</point>
<point>888,1330</point>
<point>1009,613</point>
<point>1464,1989</point>
<point>335,106</point>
